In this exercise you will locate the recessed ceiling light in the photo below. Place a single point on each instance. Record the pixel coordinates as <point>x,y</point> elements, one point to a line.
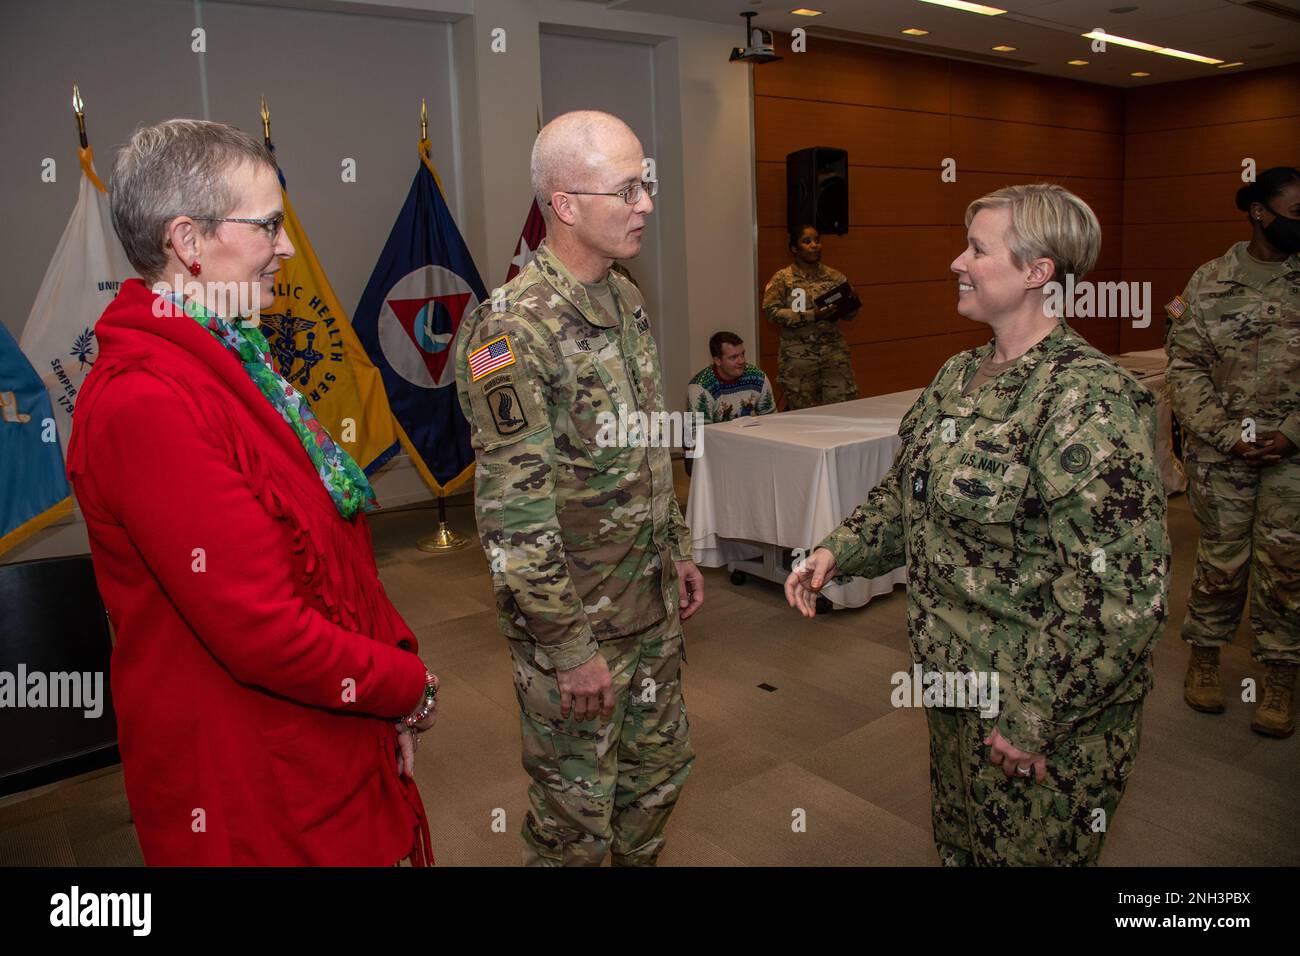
<point>805,12</point>
<point>916,32</point>
<point>1224,66</point>
<point>1122,9</point>
<point>1148,47</point>
<point>1003,48</point>
<point>1260,46</point>
<point>968,7</point>
<point>1077,62</point>
<point>1139,72</point>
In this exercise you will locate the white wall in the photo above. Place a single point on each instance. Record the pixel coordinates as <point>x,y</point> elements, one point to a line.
<point>344,79</point>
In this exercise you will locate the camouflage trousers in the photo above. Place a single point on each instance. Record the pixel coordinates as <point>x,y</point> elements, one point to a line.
<point>815,373</point>
<point>982,817</point>
<point>1250,542</point>
<point>605,785</point>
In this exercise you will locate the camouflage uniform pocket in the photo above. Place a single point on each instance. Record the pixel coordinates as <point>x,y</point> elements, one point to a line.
<point>973,518</point>
<point>1085,780</point>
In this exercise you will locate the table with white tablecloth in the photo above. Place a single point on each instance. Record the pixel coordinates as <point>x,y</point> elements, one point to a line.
<point>785,481</point>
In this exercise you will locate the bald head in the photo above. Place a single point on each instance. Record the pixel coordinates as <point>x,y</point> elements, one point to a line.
<point>574,150</point>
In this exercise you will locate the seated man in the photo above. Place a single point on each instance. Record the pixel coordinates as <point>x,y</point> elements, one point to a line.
<point>728,388</point>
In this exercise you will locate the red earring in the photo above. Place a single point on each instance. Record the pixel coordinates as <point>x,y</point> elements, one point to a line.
<point>195,268</point>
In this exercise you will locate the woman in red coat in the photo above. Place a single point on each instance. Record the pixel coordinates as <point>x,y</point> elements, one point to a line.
<point>267,691</point>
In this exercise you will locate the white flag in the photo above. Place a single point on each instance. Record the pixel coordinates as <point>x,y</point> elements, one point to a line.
<point>88,267</point>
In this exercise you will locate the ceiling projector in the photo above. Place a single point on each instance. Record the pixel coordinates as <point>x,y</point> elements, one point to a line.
<point>758,48</point>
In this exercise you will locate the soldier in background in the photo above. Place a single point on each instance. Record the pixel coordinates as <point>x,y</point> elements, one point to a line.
<point>1234,376</point>
<point>590,559</point>
<point>813,364</point>
<point>1027,505</point>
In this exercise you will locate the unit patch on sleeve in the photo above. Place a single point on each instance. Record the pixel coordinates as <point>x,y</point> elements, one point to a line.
<point>507,411</point>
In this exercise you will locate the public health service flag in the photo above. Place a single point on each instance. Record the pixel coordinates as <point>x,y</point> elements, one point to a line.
<point>36,491</point>
<point>315,348</point>
<point>83,277</point>
<point>423,285</point>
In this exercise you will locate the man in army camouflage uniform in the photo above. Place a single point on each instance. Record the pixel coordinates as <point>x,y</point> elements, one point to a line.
<point>813,364</point>
<point>584,537</point>
<point>1027,505</point>
<point>1234,377</point>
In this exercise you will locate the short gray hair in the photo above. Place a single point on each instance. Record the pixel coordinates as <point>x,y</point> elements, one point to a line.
<point>562,151</point>
<point>1046,220</point>
<point>175,168</point>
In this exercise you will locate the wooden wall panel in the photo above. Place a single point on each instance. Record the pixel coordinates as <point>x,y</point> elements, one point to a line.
<point>990,92</point>
<point>996,146</point>
<point>1180,245</point>
<point>906,310</point>
<point>892,366</point>
<point>871,135</point>
<point>1258,94</point>
<point>1183,199</point>
<point>1211,148</point>
<point>870,254</point>
<point>834,72</point>
<point>885,196</point>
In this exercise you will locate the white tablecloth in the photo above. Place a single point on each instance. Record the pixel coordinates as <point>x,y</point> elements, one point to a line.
<point>788,480</point>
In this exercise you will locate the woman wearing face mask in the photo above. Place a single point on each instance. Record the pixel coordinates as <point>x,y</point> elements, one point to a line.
<point>1234,375</point>
<point>813,364</point>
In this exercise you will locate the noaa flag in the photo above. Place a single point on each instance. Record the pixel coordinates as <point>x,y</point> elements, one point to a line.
<point>423,285</point>
<point>35,490</point>
<point>83,278</point>
<point>314,346</point>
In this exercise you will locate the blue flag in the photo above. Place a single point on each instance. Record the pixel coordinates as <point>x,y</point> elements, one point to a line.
<point>34,490</point>
<point>423,285</point>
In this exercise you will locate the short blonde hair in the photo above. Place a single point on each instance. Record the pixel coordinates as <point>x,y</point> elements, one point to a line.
<point>1046,220</point>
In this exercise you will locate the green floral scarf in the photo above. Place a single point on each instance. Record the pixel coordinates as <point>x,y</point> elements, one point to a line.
<point>339,473</point>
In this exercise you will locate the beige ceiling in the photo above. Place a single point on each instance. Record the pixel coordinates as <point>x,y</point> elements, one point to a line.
<point>1046,33</point>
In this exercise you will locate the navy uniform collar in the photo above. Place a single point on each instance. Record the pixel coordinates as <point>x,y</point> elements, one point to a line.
<point>998,399</point>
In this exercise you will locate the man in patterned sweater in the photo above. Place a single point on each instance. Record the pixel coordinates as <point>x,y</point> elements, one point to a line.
<point>729,388</point>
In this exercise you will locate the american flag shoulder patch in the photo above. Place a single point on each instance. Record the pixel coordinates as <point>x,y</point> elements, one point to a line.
<point>492,357</point>
<point>1176,308</point>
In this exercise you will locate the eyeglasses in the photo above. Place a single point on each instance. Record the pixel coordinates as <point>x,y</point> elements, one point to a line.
<point>270,226</point>
<point>629,194</point>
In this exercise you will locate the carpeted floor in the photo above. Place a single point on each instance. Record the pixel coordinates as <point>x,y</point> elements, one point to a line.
<point>1206,791</point>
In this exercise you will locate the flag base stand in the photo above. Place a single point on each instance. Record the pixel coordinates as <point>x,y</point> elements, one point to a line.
<point>444,540</point>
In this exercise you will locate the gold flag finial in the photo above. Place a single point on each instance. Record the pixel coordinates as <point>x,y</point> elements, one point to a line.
<point>266,122</point>
<point>424,119</point>
<point>79,108</point>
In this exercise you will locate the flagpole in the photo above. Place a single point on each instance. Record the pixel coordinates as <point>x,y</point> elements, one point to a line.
<point>79,108</point>
<point>266,123</point>
<point>444,540</point>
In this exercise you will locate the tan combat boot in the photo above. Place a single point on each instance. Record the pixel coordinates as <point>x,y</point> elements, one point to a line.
<point>1275,715</point>
<point>1201,687</point>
